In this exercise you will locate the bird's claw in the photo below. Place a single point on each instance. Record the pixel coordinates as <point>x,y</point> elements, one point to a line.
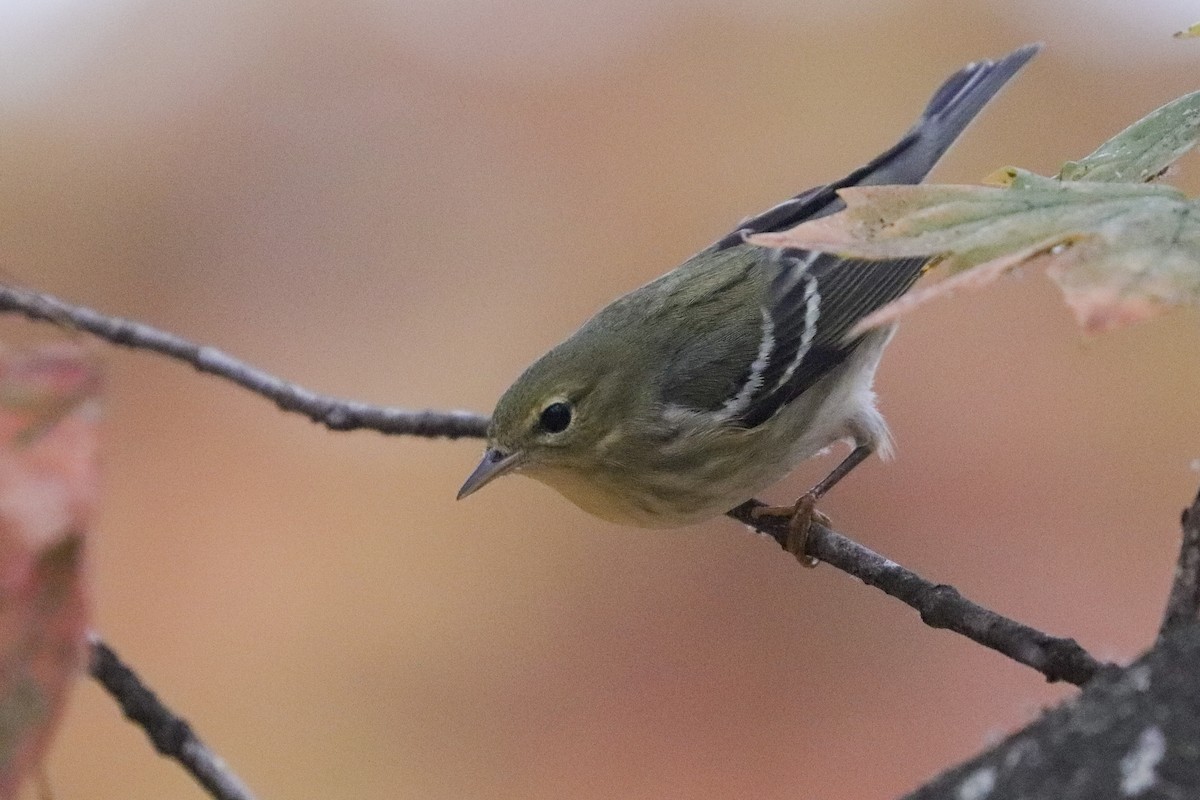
<point>804,514</point>
<point>800,518</point>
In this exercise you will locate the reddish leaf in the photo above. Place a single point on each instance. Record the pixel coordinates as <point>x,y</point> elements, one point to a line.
<point>48,493</point>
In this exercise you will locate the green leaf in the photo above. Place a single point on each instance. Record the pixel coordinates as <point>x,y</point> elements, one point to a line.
<point>1190,32</point>
<point>1143,150</point>
<point>1121,249</point>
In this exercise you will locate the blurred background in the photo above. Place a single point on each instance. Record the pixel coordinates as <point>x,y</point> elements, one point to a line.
<point>405,203</point>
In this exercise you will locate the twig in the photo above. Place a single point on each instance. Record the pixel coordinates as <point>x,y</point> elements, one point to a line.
<point>170,734</point>
<point>1183,604</point>
<point>940,606</point>
<point>334,413</point>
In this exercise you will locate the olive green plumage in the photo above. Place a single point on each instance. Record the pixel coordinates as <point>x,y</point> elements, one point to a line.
<point>683,398</point>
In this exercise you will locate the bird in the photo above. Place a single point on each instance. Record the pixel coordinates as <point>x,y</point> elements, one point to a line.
<point>684,398</point>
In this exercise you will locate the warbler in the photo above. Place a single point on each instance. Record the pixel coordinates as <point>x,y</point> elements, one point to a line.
<point>684,398</point>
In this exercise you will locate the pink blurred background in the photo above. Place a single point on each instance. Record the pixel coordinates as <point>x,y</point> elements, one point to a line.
<point>405,203</point>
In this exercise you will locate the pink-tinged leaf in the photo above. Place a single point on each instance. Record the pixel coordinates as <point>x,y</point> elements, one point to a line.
<point>1120,251</point>
<point>48,496</point>
<point>1109,287</point>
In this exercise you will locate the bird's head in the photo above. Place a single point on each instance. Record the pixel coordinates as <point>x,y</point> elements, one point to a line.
<point>557,420</point>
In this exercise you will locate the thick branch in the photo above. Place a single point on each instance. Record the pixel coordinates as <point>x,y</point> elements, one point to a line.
<point>940,606</point>
<point>1183,604</point>
<point>170,734</point>
<point>332,412</point>
<point>1129,735</point>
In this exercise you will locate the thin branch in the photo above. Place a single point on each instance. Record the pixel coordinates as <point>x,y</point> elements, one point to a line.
<point>940,606</point>
<point>170,734</point>
<point>334,413</point>
<point>1183,604</point>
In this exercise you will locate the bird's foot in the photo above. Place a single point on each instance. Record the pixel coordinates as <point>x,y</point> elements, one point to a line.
<point>800,517</point>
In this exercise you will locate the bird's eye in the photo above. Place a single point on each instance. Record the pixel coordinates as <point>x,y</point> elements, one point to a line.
<point>555,418</point>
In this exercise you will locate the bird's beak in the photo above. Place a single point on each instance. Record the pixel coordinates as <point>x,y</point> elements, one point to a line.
<point>494,464</point>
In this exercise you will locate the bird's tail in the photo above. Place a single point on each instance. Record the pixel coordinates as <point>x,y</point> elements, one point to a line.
<point>951,109</point>
<point>955,104</point>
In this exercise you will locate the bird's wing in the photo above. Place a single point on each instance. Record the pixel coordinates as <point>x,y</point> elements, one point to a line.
<point>814,299</point>
<point>761,326</point>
